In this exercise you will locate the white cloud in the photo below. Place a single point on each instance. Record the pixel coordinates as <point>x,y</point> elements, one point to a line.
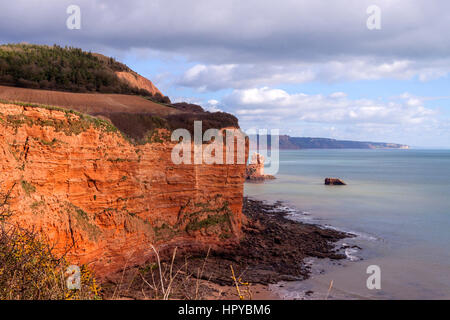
<point>335,108</point>
<point>241,76</point>
<point>212,105</point>
<point>338,95</point>
<point>216,77</point>
<point>403,119</point>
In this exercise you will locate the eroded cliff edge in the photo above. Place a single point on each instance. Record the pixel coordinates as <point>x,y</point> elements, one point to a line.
<point>105,201</point>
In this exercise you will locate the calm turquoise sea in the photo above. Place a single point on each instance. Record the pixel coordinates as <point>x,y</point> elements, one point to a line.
<point>396,201</point>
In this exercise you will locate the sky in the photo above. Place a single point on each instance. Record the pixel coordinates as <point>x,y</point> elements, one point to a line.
<point>308,68</point>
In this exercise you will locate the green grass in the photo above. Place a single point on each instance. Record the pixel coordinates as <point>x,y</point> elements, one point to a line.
<point>48,143</point>
<point>211,220</point>
<point>35,205</point>
<point>28,187</point>
<point>83,220</point>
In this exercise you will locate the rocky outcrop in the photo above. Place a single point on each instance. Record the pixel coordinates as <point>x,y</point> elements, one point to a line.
<point>255,170</point>
<point>104,200</point>
<point>137,81</point>
<point>334,182</point>
<point>189,107</point>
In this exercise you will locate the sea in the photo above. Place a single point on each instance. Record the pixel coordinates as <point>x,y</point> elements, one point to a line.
<point>396,202</point>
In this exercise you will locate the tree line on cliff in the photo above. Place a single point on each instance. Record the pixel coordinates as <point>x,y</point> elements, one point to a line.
<point>64,69</point>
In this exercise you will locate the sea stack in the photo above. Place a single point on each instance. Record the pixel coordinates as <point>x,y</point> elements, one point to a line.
<point>255,170</point>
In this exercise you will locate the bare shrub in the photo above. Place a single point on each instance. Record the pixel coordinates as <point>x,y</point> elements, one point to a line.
<point>5,198</point>
<point>163,279</point>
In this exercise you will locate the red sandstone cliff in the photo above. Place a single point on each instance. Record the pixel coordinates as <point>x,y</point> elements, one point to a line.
<point>79,182</point>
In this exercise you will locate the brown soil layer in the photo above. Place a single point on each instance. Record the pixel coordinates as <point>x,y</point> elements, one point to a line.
<point>90,103</point>
<point>273,249</point>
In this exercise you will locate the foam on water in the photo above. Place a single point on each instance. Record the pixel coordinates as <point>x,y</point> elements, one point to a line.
<point>350,253</point>
<point>307,217</point>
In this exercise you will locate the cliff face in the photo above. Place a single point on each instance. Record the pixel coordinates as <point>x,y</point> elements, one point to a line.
<point>137,81</point>
<point>77,181</point>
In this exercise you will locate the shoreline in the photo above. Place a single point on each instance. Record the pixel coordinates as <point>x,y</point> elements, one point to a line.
<point>273,249</point>
<point>320,239</point>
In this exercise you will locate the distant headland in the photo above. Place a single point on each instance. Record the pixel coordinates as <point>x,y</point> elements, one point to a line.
<point>295,143</point>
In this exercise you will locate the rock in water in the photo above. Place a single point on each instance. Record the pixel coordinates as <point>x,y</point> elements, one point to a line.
<point>255,170</point>
<point>334,182</point>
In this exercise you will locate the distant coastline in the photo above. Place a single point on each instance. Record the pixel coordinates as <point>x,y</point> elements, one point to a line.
<point>295,143</point>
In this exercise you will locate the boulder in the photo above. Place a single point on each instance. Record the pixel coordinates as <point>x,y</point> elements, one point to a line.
<point>334,182</point>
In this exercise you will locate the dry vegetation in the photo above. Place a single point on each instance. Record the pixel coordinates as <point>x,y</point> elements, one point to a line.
<point>30,271</point>
<point>165,278</point>
<point>176,276</point>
